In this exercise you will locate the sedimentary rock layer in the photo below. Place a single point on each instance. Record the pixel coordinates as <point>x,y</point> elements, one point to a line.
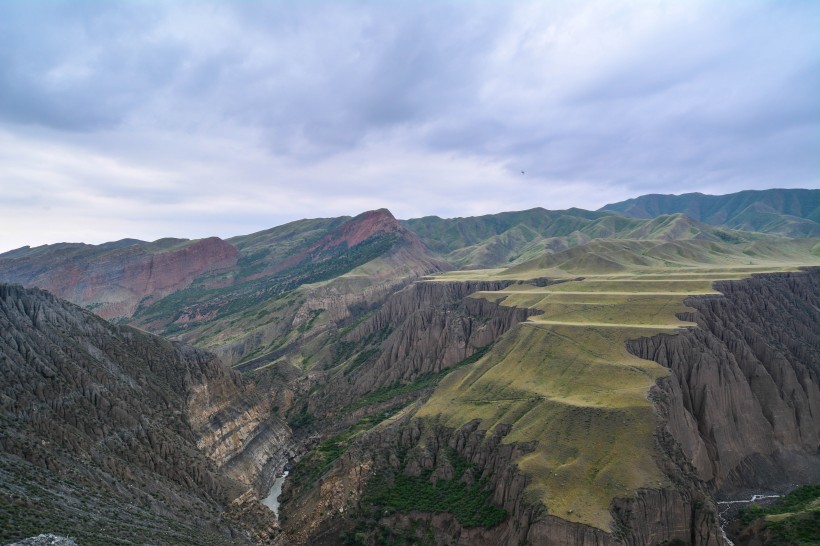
<point>128,415</point>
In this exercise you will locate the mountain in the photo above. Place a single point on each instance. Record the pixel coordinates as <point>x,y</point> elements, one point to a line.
<point>788,212</point>
<point>498,240</point>
<point>207,290</point>
<point>603,383</point>
<point>114,435</point>
<point>605,408</point>
<point>113,279</point>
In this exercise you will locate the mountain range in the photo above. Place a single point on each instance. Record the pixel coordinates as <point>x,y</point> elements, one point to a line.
<point>793,213</point>
<point>591,377</point>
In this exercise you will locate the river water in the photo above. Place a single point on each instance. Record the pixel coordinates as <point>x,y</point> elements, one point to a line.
<point>727,506</point>
<point>272,500</point>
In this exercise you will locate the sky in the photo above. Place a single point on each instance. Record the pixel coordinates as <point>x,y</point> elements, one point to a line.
<point>197,118</point>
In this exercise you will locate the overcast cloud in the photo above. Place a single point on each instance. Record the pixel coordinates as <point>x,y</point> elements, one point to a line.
<point>189,119</point>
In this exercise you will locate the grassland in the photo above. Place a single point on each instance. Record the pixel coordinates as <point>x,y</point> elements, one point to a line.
<point>565,378</point>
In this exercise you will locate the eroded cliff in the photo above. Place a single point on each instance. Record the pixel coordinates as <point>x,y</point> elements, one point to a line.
<point>743,399</point>
<point>110,423</point>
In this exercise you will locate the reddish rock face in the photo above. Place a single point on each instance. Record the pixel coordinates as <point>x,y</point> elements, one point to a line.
<point>113,283</point>
<point>359,229</point>
<point>351,233</point>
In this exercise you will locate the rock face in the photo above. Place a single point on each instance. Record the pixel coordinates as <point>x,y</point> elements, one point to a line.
<point>236,429</point>
<point>653,516</point>
<point>738,411</point>
<point>428,448</point>
<point>114,280</point>
<point>120,416</point>
<point>420,330</point>
<point>743,401</point>
<point>361,228</point>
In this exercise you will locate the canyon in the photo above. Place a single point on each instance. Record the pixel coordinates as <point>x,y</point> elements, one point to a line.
<point>562,377</point>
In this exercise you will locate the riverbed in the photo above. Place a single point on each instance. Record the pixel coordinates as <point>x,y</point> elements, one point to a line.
<point>727,510</point>
<point>272,500</point>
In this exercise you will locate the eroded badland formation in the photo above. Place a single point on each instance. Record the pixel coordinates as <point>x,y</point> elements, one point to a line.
<point>536,377</point>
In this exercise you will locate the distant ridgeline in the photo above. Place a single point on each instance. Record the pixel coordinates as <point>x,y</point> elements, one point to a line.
<point>582,377</point>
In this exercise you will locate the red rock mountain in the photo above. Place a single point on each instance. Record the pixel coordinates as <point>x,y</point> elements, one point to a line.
<point>361,228</point>
<point>112,280</point>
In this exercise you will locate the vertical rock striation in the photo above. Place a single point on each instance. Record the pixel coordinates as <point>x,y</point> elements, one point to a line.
<point>161,428</point>
<point>743,401</point>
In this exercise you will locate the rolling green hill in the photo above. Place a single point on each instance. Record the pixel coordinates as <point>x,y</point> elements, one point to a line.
<point>789,212</point>
<point>497,240</point>
<point>565,377</point>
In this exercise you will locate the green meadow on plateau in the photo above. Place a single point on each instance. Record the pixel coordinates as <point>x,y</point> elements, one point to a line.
<point>571,377</point>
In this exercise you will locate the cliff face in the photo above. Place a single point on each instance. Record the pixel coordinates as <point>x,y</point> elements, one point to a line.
<point>237,429</point>
<point>114,281</point>
<point>420,330</point>
<point>121,416</point>
<point>739,410</point>
<point>744,397</point>
<point>334,508</point>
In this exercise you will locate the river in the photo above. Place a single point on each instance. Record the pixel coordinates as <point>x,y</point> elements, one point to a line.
<point>724,517</point>
<point>272,500</point>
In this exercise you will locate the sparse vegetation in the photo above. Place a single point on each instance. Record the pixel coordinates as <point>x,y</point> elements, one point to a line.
<point>423,382</point>
<point>793,520</point>
<point>399,492</point>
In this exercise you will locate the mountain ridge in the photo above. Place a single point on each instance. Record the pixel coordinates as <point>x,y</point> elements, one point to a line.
<point>789,212</point>
<point>394,361</point>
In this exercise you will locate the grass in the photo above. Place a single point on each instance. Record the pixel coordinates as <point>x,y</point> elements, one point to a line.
<point>470,504</point>
<point>794,519</point>
<point>629,258</point>
<point>581,395</point>
<point>565,378</point>
<point>312,466</point>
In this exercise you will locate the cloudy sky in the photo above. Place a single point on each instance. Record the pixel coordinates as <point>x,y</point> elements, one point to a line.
<point>192,118</point>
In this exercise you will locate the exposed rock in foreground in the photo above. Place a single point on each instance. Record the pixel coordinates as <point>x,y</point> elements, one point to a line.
<point>45,540</point>
<point>743,400</point>
<point>111,434</point>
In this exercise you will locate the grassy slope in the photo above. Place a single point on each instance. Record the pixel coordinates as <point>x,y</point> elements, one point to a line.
<point>564,378</point>
<point>515,237</point>
<point>794,212</point>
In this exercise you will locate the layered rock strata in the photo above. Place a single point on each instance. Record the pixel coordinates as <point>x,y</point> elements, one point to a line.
<point>743,399</point>
<point>422,329</point>
<point>123,417</point>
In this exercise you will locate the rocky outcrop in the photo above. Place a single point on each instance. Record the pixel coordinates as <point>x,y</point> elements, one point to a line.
<point>731,378</point>
<point>428,448</point>
<point>46,540</point>
<point>361,228</point>
<point>119,414</point>
<point>237,429</point>
<point>114,280</point>
<point>423,329</point>
<point>659,516</point>
<point>744,397</point>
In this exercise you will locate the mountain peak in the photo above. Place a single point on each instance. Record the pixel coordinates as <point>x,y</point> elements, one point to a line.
<point>360,228</point>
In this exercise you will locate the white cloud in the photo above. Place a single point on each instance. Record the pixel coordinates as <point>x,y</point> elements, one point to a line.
<point>151,119</point>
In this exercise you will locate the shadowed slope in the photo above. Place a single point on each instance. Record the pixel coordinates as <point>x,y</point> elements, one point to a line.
<point>99,435</point>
